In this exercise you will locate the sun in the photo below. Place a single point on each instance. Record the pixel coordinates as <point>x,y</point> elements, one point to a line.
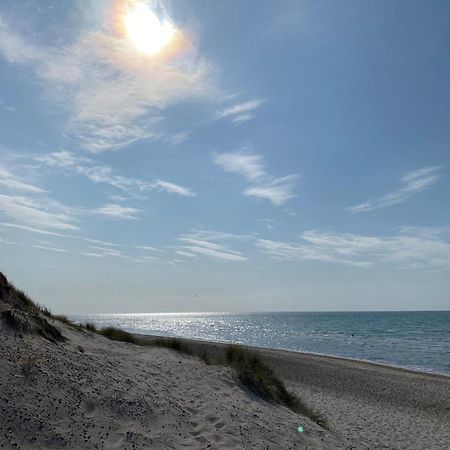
<point>148,33</point>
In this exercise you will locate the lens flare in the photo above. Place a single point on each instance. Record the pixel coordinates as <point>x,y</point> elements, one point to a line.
<point>148,33</point>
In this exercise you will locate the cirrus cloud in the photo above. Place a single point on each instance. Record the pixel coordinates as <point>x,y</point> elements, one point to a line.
<point>114,96</point>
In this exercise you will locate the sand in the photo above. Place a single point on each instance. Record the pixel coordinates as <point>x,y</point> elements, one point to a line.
<point>92,393</point>
<point>374,405</point>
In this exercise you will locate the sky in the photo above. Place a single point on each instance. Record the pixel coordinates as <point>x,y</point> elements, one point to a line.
<point>226,155</point>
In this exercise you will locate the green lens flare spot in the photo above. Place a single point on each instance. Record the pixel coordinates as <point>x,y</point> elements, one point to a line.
<point>300,429</point>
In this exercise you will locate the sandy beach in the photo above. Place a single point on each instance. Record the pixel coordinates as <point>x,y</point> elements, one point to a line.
<point>90,392</point>
<point>373,405</point>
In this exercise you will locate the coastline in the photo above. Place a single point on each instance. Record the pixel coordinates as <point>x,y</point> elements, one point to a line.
<point>223,344</point>
<point>91,392</point>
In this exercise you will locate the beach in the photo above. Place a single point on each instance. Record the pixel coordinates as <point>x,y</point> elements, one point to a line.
<point>374,405</point>
<point>91,392</point>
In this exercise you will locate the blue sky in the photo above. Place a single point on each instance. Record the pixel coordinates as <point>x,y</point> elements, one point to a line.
<point>289,155</point>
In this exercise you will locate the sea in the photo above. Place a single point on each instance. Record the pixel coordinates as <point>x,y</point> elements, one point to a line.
<point>418,340</point>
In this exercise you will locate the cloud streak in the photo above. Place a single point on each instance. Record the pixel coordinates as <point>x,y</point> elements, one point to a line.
<point>117,211</point>
<point>252,167</point>
<point>411,184</point>
<point>241,112</point>
<point>172,188</point>
<point>101,173</point>
<point>411,248</point>
<point>15,183</point>
<point>209,244</point>
<point>45,213</point>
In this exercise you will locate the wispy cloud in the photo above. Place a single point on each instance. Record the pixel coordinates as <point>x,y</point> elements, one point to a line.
<point>49,248</point>
<point>172,188</point>
<point>241,112</point>
<point>107,251</point>
<point>114,95</point>
<point>278,191</point>
<point>93,170</point>
<point>72,236</point>
<point>408,249</point>
<point>101,173</point>
<point>411,184</point>
<point>178,138</point>
<point>31,229</point>
<point>251,166</point>
<point>14,182</point>
<point>117,211</point>
<point>45,213</point>
<point>100,249</point>
<point>210,244</point>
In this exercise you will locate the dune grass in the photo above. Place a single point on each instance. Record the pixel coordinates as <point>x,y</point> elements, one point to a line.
<point>173,344</point>
<point>116,334</point>
<point>63,318</point>
<point>259,378</point>
<point>90,327</point>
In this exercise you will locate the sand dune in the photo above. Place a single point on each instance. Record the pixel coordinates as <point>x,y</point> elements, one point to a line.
<point>90,392</point>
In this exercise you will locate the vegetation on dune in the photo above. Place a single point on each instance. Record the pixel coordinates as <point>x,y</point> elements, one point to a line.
<point>62,318</point>
<point>116,334</point>
<point>90,327</point>
<point>262,381</point>
<point>20,313</point>
<point>172,343</point>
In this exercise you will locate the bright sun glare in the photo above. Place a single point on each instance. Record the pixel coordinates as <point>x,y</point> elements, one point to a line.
<point>146,31</point>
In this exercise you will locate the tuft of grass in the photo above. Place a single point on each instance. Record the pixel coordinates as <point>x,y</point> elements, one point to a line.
<point>262,381</point>
<point>90,327</point>
<point>174,344</point>
<point>44,310</point>
<point>24,322</point>
<point>23,298</point>
<point>64,319</point>
<point>17,320</point>
<point>117,334</point>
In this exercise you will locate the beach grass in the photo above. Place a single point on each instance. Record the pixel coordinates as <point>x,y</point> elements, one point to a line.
<point>116,334</point>
<point>91,327</point>
<point>173,344</point>
<point>259,378</point>
<point>62,318</point>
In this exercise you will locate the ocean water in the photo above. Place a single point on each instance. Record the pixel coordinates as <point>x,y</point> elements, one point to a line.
<point>416,340</point>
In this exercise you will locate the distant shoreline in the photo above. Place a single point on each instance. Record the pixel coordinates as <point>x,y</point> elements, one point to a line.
<point>264,312</point>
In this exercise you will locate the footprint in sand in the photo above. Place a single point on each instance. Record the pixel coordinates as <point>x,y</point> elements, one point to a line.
<point>220,425</point>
